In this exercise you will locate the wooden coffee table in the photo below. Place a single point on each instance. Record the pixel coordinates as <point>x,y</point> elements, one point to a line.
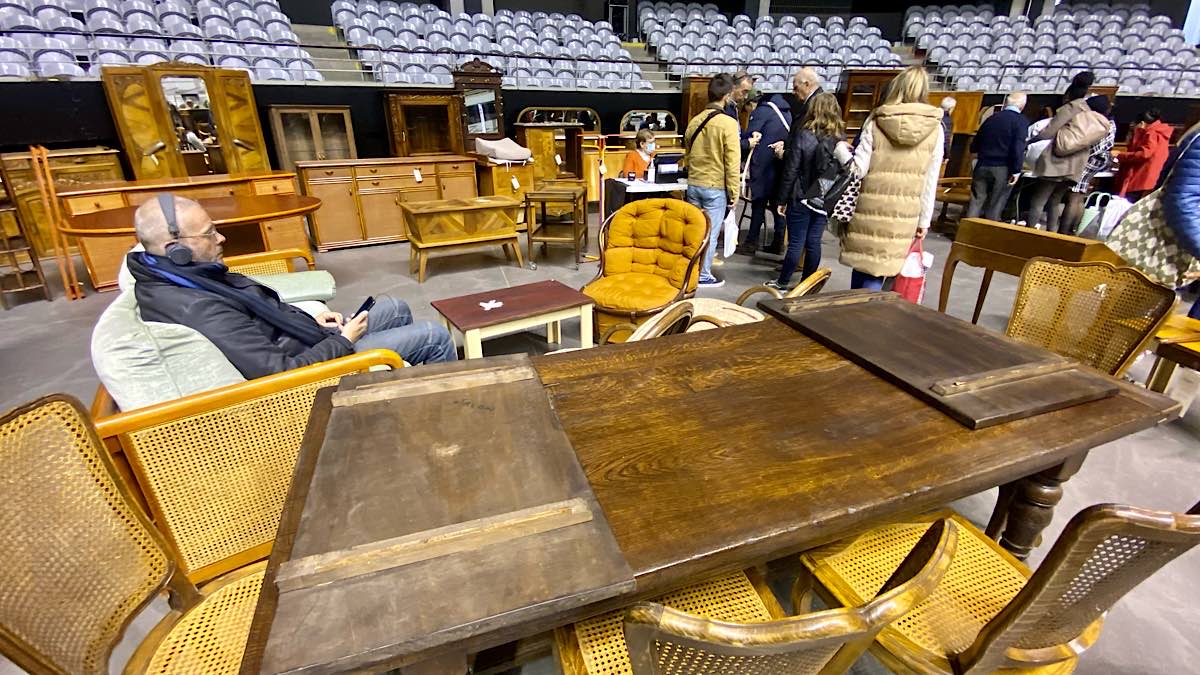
<point>506,310</point>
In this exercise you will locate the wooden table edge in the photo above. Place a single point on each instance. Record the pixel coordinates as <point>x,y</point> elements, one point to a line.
<point>241,220</point>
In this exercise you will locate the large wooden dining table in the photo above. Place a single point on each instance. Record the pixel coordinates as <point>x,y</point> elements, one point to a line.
<point>713,451</point>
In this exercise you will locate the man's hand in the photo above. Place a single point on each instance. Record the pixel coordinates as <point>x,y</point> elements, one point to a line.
<point>781,210</point>
<point>755,138</point>
<point>777,146</point>
<point>1012,180</point>
<point>330,319</point>
<point>355,327</point>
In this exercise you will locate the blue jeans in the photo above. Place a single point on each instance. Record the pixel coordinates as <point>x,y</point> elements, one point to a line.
<point>804,228</point>
<point>864,280</point>
<point>390,326</point>
<point>712,201</point>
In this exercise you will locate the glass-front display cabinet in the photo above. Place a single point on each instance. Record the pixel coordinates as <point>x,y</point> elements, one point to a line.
<point>425,124</point>
<point>315,132</point>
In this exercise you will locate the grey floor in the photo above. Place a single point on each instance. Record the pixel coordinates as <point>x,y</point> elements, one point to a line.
<point>44,349</point>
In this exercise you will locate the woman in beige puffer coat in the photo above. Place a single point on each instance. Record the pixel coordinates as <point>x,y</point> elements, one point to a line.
<point>899,156</point>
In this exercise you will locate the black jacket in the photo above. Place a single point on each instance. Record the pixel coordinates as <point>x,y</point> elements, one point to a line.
<point>800,169</point>
<point>253,346</point>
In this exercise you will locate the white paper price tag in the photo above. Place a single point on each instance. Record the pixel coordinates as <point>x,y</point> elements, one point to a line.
<point>557,159</point>
<point>603,169</point>
<point>417,175</point>
<point>515,183</point>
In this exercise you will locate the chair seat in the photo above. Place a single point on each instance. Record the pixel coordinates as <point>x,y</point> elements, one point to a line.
<point>729,598</point>
<point>631,292</point>
<point>211,636</point>
<point>1179,327</point>
<point>983,578</point>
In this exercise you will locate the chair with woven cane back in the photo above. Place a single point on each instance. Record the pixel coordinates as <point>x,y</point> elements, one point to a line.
<point>649,258</point>
<point>990,613</point>
<point>810,285</point>
<point>214,468</point>
<point>734,624</point>
<point>1098,314</point>
<point>686,316</point>
<point>82,560</point>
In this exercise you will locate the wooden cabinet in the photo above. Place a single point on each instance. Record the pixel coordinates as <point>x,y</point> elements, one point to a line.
<point>498,180</point>
<point>360,199</point>
<point>176,120</point>
<point>72,169</point>
<point>308,133</point>
<point>425,124</point>
<point>861,91</point>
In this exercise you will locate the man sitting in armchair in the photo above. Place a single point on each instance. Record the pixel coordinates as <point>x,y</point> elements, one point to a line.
<point>181,279</point>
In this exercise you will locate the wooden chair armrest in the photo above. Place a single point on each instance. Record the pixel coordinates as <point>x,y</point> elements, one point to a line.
<point>288,254</point>
<point>125,422</point>
<point>755,290</point>
<point>614,329</point>
<point>103,404</point>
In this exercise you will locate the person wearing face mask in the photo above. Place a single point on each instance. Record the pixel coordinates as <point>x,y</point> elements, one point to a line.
<point>637,161</point>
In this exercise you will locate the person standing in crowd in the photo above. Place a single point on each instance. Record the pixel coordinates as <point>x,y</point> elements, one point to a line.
<point>769,126</point>
<point>637,160</point>
<point>899,155</point>
<point>712,152</point>
<point>999,146</point>
<point>1099,159</point>
<point>1140,166</point>
<point>805,85</point>
<point>819,147</point>
<point>948,105</point>
<point>1056,173</point>
<point>743,84</point>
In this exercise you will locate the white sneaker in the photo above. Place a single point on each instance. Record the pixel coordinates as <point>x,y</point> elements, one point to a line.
<point>711,282</point>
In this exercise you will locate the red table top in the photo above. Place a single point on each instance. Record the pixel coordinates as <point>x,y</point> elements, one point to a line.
<point>519,302</point>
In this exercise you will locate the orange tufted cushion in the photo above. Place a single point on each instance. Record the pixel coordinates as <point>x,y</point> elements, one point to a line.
<point>631,291</point>
<point>656,237</point>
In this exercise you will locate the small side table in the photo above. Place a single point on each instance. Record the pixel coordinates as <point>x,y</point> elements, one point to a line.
<point>540,231</point>
<point>506,310</point>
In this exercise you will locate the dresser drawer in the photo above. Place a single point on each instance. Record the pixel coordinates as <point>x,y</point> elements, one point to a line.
<point>332,172</point>
<point>427,170</point>
<point>375,184</point>
<point>456,167</point>
<point>84,160</point>
<point>276,186</point>
<point>90,203</point>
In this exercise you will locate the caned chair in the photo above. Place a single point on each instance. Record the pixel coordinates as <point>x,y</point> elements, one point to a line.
<point>990,613</point>
<point>810,285</point>
<point>687,316</point>
<point>649,258</point>
<point>735,625</point>
<point>81,559</point>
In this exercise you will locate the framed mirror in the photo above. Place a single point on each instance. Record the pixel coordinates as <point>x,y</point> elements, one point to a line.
<point>188,104</point>
<point>482,102</point>
<point>654,120</point>
<point>588,118</point>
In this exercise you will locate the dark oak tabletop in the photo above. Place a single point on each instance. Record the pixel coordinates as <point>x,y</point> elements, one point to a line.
<point>520,302</point>
<point>224,211</point>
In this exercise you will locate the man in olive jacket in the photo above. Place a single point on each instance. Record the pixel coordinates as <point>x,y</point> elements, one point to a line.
<point>181,279</point>
<point>713,152</point>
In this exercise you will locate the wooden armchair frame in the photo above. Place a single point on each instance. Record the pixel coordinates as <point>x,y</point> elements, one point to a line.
<point>683,293</point>
<point>256,260</point>
<point>810,285</point>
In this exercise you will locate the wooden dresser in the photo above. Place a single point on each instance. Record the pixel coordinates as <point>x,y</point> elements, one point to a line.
<point>103,255</point>
<point>361,198</point>
<point>73,169</point>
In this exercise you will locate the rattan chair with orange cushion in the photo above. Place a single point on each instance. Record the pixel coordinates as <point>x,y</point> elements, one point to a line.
<point>649,258</point>
<point>990,613</point>
<point>733,624</point>
<point>80,559</point>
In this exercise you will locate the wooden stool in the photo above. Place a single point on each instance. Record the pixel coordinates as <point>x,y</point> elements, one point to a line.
<point>20,269</point>
<point>539,231</point>
<point>1178,344</point>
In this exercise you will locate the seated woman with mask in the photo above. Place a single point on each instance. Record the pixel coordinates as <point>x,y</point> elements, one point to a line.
<point>638,159</point>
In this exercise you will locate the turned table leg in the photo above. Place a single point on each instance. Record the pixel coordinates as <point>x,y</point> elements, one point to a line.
<point>1032,507</point>
<point>947,278</point>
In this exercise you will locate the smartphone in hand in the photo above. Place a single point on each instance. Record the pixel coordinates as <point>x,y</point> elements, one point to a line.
<point>365,307</point>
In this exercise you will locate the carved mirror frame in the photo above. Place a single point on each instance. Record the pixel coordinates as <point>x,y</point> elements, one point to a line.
<point>476,74</point>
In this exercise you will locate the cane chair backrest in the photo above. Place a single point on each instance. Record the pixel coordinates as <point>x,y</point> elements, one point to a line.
<point>79,560</point>
<point>264,267</point>
<point>671,321</point>
<point>1102,554</point>
<point>810,285</point>
<point>664,641</point>
<point>1094,312</point>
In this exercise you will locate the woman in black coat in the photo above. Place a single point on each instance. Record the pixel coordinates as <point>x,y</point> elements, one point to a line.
<point>771,120</point>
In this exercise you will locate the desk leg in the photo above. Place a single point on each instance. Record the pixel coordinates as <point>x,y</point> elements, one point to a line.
<point>446,664</point>
<point>472,345</point>
<point>585,327</point>
<point>1160,375</point>
<point>947,277</point>
<point>530,230</point>
<point>554,332</point>
<point>450,330</point>
<point>1033,505</point>
<point>983,289</point>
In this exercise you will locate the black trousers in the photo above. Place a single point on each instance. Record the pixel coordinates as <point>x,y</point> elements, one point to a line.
<point>989,192</point>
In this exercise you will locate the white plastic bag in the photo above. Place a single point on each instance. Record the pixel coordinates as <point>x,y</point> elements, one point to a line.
<point>730,230</point>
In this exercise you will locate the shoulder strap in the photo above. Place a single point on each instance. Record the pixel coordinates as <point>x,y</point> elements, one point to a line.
<point>782,119</point>
<point>703,123</point>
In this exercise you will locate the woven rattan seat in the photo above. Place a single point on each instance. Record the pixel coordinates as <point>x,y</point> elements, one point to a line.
<point>733,624</point>
<point>989,612</point>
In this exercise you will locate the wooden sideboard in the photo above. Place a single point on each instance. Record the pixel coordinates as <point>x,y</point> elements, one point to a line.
<point>360,199</point>
<point>102,256</point>
<point>73,169</point>
<point>497,180</point>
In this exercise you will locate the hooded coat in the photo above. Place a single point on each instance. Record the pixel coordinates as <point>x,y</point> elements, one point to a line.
<point>899,154</point>
<point>1141,165</point>
<point>764,166</point>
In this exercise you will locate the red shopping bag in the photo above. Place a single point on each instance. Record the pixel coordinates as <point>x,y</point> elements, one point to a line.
<point>910,283</point>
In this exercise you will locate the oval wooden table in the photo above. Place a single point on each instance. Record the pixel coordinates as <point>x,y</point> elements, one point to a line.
<point>245,220</point>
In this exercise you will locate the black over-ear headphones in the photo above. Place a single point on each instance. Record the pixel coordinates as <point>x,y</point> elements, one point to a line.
<point>176,252</point>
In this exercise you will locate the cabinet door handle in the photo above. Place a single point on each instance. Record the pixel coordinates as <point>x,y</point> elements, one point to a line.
<point>374,170</point>
<point>374,182</point>
<point>79,160</point>
<point>329,172</point>
<point>242,144</point>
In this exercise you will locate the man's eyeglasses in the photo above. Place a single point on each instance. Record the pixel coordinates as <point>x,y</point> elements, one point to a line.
<point>203,235</point>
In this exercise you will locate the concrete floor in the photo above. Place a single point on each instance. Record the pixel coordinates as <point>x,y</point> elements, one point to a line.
<point>44,349</point>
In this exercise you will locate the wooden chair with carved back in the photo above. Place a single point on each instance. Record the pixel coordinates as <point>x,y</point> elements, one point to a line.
<point>81,560</point>
<point>990,613</point>
<point>810,285</point>
<point>734,624</point>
